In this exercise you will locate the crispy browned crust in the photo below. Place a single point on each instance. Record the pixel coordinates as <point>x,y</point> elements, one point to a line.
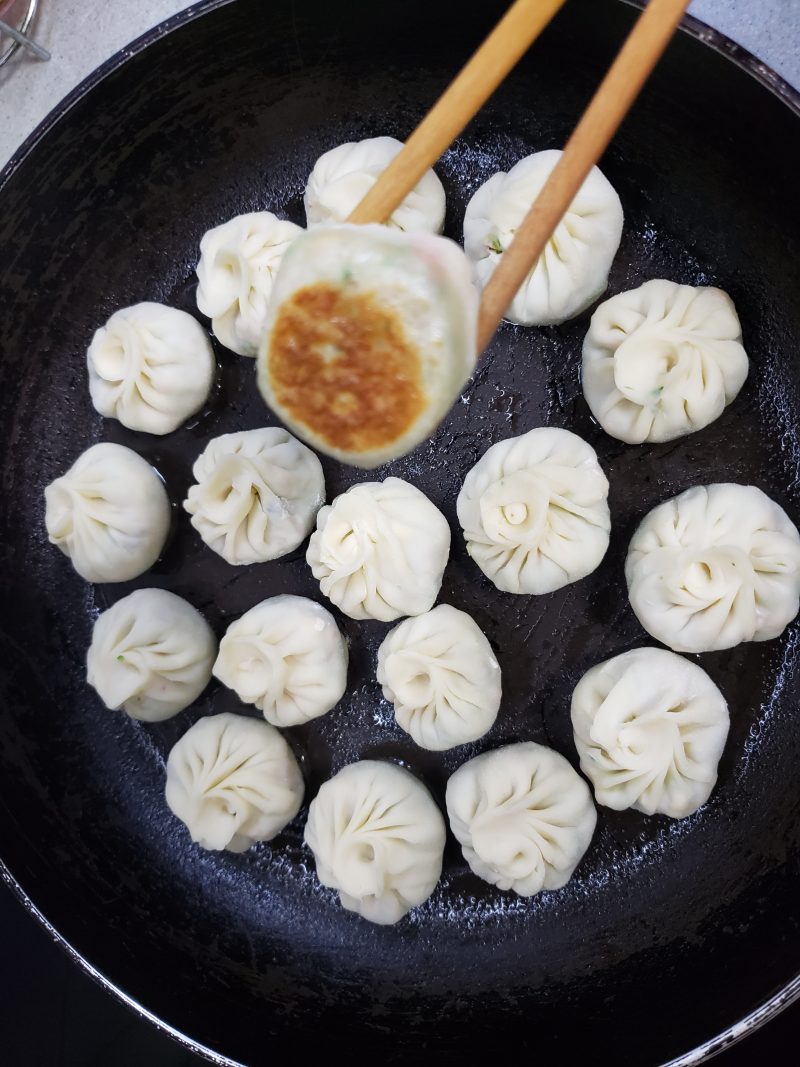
<point>339,362</point>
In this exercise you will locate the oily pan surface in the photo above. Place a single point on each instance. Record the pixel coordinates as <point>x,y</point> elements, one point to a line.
<point>669,931</point>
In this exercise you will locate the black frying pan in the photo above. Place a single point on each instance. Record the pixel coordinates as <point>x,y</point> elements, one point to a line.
<point>670,932</point>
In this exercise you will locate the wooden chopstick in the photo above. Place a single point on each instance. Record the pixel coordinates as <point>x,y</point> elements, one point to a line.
<point>591,137</point>
<point>461,101</point>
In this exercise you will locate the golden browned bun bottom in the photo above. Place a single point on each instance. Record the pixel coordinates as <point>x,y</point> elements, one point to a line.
<point>341,365</point>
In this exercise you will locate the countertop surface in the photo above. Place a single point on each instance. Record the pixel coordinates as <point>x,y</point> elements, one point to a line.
<point>85,1027</point>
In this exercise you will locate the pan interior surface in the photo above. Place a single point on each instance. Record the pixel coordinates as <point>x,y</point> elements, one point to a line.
<point>670,931</point>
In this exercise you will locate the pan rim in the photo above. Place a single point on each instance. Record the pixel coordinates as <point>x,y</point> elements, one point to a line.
<point>694,27</point>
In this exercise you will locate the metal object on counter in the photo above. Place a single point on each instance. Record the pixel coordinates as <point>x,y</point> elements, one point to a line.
<point>19,35</point>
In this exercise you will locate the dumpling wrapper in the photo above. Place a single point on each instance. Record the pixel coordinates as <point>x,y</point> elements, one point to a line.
<point>379,550</point>
<point>256,494</point>
<point>523,817</point>
<point>534,511</point>
<point>370,338</point>
<point>343,176</point>
<point>650,728</point>
<point>151,367</point>
<point>151,655</point>
<point>286,656</point>
<point>440,673</point>
<point>109,513</point>
<point>572,271</point>
<point>378,839</point>
<point>238,263</point>
<point>713,567</point>
<point>662,361</point>
<point>233,781</point>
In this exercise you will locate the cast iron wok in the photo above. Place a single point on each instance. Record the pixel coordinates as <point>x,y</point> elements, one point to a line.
<point>671,932</point>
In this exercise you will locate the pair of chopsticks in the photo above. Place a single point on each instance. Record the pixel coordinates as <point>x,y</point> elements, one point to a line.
<point>496,57</point>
